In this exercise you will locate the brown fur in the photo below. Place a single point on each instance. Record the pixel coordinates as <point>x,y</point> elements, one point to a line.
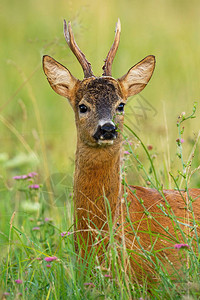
<point>97,172</point>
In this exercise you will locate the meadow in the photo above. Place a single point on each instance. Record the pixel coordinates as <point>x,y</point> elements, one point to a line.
<point>38,139</point>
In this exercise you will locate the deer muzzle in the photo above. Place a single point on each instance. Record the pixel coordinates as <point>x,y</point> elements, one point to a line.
<point>106,132</point>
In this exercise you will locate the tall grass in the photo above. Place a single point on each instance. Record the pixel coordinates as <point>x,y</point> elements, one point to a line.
<point>39,257</point>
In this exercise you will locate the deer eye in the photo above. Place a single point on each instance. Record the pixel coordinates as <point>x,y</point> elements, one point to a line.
<point>83,108</point>
<point>121,107</point>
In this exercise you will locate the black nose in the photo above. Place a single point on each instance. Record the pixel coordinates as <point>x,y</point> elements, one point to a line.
<point>106,131</point>
<point>108,128</point>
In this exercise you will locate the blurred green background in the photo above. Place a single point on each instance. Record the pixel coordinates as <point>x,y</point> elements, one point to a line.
<point>37,130</point>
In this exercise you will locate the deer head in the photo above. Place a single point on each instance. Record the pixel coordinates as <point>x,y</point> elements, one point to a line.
<point>98,102</point>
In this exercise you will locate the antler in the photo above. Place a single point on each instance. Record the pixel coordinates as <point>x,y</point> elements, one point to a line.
<point>107,67</point>
<point>69,37</point>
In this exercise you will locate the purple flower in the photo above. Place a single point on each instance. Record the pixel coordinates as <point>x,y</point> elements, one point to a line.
<point>50,258</point>
<point>89,284</point>
<point>48,266</point>
<point>6,294</point>
<point>20,177</point>
<point>47,219</point>
<point>32,174</point>
<point>16,177</point>
<point>34,186</point>
<point>126,152</point>
<point>35,228</point>
<point>65,233</point>
<point>19,281</point>
<point>180,141</point>
<point>181,246</point>
<point>107,275</point>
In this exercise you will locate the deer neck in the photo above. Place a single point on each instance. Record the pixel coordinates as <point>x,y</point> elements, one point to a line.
<point>97,178</point>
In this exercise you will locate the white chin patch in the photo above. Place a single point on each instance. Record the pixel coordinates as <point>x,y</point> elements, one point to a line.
<point>105,142</point>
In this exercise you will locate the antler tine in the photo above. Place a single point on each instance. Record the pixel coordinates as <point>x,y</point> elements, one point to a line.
<point>107,67</point>
<point>69,37</point>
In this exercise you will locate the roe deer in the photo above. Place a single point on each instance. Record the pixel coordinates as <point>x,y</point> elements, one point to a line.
<point>141,226</point>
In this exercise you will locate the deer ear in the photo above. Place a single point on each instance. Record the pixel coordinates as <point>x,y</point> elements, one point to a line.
<point>135,80</point>
<point>59,77</point>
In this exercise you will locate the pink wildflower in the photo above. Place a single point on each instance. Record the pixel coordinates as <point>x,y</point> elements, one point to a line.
<point>64,233</point>
<point>180,141</point>
<point>48,266</point>
<point>38,258</point>
<point>20,177</point>
<point>35,228</point>
<point>47,219</point>
<point>50,258</point>
<point>126,152</point>
<point>34,186</point>
<point>19,281</point>
<point>181,246</point>
<point>16,177</point>
<point>32,174</point>
<point>89,284</point>
<point>6,294</point>
<point>107,275</point>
